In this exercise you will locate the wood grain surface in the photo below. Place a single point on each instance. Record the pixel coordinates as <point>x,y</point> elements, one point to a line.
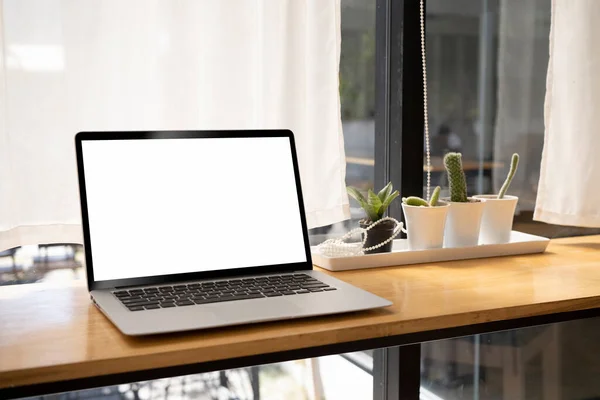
<point>51,333</point>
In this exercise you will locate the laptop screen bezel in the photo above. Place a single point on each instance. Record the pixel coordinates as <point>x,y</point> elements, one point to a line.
<point>172,278</point>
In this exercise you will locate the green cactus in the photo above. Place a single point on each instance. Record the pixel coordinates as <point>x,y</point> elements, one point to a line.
<point>456,177</point>
<point>514,163</point>
<point>419,202</point>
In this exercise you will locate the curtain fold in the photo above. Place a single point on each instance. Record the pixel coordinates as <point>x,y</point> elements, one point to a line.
<point>570,171</point>
<point>70,66</point>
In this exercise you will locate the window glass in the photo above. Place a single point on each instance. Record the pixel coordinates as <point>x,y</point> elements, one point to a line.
<point>486,69</point>
<point>556,361</point>
<point>43,263</point>
<point>357,94</point>
<point>308,379</point>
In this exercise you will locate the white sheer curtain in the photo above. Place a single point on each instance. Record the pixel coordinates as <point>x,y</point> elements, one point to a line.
<point>570,172</point>
<point>69,66</point>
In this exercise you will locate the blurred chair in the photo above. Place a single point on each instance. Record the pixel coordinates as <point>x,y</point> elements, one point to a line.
<point>11,253</point>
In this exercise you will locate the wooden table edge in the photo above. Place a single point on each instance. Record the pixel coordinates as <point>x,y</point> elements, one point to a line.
<point>188,361</point>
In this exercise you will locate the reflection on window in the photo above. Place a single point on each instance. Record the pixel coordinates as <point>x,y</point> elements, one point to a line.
<point>557,361</point>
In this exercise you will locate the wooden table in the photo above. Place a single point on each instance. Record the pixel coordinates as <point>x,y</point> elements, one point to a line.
<point>437,164</point>
<point>53,339</point>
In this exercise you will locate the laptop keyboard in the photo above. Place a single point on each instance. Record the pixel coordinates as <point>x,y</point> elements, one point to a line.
<point>152,298</point>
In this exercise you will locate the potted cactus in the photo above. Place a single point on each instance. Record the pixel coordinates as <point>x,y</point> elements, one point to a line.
<point>464,215</point>
<point>425,221</point>
<point>375,206</point>
<point>499,210</point>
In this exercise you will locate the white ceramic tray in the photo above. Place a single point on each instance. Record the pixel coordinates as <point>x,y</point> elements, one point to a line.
<point>520,243</point>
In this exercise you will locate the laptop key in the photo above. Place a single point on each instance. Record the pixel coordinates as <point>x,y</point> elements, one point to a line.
<point>244,297</point>
<point>167,304</point>
<point>122,293</point>
<point>142,303</point>
<point>329,289</point>
<point>229,298</point>
<point>272,294</point>
<point>166,289</point>
<point>185,303</point>
<point>152,307</point>
<point>206,301</point>
<point>288,292</point>
<point>136,308</point>
<point>315,290</point>
<point>314,286</point>
<point>132,300</point>
<point>136,291</point>
<point>302,291</point>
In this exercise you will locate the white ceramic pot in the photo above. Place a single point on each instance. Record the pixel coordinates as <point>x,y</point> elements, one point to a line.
<point>425,226</point>
<point>463,223</point>
<point>497,219</point>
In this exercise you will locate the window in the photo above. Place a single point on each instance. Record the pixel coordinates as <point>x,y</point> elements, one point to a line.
<point>486,69</point>
<point>486,65</point>
<point>357,95</point>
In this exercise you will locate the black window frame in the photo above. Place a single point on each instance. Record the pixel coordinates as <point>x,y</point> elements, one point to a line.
<point>399,144</point>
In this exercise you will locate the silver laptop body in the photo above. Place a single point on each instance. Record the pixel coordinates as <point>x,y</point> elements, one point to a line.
<point>200,229</point>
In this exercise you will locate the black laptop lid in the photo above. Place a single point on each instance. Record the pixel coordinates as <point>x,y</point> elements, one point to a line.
<point>161,207</point>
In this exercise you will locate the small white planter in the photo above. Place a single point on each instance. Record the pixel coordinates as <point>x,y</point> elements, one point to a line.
<point>425,226</point>
<point>463,223</point>
<point>497,219</point>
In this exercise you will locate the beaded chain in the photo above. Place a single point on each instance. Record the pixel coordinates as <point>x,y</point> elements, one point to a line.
<point>425,105</point>
<point>340,248</point>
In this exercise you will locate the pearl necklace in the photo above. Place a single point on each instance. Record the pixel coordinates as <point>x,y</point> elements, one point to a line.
<point>340,248</point>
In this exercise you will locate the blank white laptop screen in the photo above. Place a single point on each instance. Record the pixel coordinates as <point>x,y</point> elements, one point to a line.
<point>170,206</point>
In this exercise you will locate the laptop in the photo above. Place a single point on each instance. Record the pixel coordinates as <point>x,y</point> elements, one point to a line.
<point>189,230</point>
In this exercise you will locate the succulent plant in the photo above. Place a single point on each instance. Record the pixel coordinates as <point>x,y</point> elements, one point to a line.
<point>456,177</point>
<point>514,164</point>
<point>419,202</point>
<point>375,205</point>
